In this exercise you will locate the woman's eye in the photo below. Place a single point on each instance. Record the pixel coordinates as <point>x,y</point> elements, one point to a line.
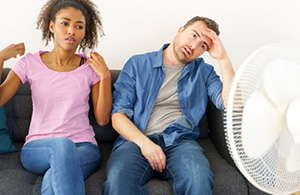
<point>64,23</point>
<point>79,27</point>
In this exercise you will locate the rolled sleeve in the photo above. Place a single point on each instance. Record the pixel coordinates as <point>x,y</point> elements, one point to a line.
<point>219,102</point>
<point>124,96</point>
<point>214,87</point>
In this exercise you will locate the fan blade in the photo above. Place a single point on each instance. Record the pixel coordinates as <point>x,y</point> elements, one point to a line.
<point>282,82</point>
<point>292,119</point>
<point>293,158</point>
<point>262,124</point>
<point>289,151</point>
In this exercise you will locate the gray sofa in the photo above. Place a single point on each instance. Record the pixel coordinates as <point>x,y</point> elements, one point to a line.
<point>14,179</point>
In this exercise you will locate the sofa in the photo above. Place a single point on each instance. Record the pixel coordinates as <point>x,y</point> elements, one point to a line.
<point>15,180</point>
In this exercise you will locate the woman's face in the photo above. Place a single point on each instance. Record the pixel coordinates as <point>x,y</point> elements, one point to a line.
<point>68,28</point>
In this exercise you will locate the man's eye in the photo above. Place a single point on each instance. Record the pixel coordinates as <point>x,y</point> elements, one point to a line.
<point>203,46</point>
<point>64,23</point>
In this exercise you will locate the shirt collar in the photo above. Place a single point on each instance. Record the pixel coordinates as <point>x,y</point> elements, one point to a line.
<point>158,61</point>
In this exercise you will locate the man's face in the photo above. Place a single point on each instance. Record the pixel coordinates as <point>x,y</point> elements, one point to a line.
<point>190,42</point>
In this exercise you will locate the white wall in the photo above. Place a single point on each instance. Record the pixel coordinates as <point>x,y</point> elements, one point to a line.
<point>138,26</point>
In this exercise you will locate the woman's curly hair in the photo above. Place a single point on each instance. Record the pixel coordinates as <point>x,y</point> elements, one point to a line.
<point>87,8</point>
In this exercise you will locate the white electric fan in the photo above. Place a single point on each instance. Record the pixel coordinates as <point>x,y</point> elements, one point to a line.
<point>262,119</point>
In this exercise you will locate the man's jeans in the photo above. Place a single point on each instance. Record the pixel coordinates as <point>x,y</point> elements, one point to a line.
<point>64,164</point>
<point>187,169</point>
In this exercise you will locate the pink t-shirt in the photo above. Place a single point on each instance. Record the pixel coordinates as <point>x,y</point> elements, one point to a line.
<point>60,99</point>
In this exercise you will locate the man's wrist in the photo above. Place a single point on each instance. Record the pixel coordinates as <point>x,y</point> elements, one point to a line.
<point>142,141</point>
<point>224,61</point>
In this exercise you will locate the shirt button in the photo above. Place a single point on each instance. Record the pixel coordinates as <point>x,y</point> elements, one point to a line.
<point>180,88</point>
<point>182,107</point>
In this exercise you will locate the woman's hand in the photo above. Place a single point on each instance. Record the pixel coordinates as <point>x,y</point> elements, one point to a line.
<point>101,91</point>
<point>12,51</point>
<point>99,66</point>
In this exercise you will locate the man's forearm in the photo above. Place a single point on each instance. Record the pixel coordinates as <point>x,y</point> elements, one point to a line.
<point>227,76</point>
<point>128,130</point>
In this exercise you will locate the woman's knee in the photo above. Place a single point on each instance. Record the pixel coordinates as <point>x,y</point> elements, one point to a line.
<point>63,145</point>
<point>61,141</point>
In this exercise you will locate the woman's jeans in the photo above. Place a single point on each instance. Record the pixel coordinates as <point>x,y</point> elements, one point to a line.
<point>64,163</point>
<point>187,169</point>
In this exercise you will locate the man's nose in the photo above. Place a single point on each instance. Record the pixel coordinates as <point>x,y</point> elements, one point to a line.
<point>195,44</point>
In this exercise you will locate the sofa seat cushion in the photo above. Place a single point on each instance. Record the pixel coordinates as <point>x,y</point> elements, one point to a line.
<point>226,176</point>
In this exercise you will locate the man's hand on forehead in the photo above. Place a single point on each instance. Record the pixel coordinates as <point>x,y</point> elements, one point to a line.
<point>211,35</point>
<point>216,48</point>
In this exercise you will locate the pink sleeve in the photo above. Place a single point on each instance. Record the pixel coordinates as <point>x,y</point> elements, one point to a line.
<point>20,68</point>
<point>96,78</point>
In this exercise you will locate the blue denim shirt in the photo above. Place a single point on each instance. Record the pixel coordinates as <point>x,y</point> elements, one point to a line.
<point>139,82</point>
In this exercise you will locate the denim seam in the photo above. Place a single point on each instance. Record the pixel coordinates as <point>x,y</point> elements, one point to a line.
<point>174,185</point>
<point>53,170</point>
<point>140,184</point>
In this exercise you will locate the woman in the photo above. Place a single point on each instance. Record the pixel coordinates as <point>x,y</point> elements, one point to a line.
<point>60,143</point>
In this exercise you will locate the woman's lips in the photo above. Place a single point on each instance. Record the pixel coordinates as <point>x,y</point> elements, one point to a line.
<point>70,40</point>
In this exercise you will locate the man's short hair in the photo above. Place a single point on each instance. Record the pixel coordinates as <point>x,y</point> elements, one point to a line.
<point>211,24</point>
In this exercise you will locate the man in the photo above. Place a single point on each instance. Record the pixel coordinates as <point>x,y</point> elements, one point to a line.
<point>159,100</point>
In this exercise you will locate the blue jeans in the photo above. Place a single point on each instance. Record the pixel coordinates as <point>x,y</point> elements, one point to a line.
<point>187,169</point>
<point>64,164</point>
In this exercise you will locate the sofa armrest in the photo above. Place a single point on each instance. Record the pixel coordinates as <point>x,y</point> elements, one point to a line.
<point>215,119</point>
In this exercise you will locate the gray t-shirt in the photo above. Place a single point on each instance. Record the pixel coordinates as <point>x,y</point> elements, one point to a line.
<point>166,108</point>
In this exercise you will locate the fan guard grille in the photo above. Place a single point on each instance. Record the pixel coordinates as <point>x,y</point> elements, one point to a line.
<point>268,173</point>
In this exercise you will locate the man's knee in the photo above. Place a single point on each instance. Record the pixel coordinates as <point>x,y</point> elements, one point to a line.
<point>199,181</point>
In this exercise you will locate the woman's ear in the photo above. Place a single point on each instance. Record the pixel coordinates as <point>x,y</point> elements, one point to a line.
<point>51,26</point>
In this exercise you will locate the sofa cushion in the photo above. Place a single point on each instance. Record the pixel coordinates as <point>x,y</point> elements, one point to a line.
<point>6,145</point>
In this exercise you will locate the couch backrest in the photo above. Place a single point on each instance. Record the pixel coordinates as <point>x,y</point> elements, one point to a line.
<point>19,110</point>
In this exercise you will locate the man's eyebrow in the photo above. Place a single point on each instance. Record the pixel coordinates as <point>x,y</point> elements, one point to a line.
<point>70,20</point>
<point>200,37</point>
